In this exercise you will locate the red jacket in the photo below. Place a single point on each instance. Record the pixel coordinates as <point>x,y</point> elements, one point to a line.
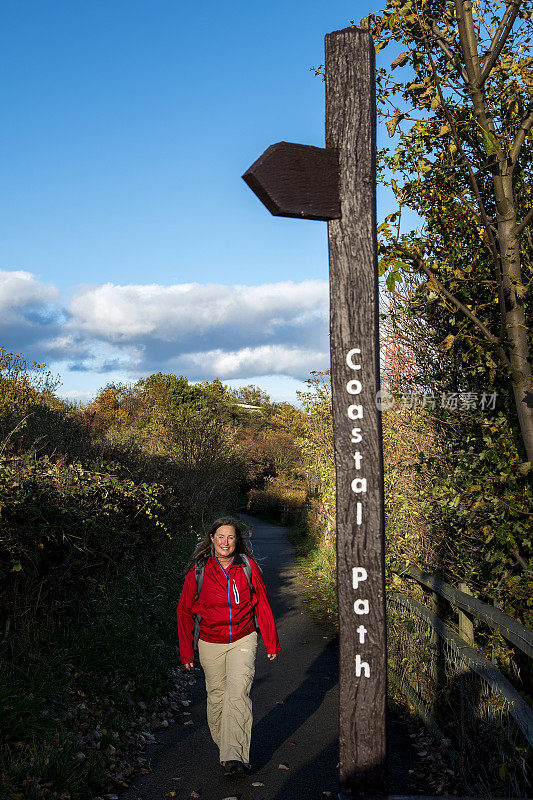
<point>225,605</point>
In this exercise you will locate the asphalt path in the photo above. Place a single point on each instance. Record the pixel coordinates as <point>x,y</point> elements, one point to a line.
<point>295,707</point>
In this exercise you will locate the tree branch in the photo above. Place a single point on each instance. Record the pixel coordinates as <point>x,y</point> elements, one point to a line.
<point>493,340</point>
<point>468,40</point>
<point>525,127</point>
<point>467,37</point>
<point>519,228</point>
<point>442,42</point>
<point>499,39</point>
<point>458,144</point>
<point>496,262</point>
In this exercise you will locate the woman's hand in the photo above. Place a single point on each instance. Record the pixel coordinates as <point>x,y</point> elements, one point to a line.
<point>271,656</point>
<point>189,665</point>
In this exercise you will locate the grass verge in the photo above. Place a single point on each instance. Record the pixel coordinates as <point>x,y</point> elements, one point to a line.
<point>316,562</point>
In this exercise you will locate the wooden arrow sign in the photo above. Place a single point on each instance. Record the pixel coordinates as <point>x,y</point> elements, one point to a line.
<point>338,184</point>
<point>297,180</point>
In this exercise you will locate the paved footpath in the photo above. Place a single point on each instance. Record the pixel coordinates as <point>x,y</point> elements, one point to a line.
<point>295,706</point>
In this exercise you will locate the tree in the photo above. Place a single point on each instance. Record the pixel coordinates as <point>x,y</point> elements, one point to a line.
<point>173,396</point>
<point>462,116</point>
<point>250,395</point>
<point>316,443</point>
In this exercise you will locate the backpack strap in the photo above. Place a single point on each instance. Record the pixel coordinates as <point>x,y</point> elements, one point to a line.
<point>199,570</point>
<point>248,572</point>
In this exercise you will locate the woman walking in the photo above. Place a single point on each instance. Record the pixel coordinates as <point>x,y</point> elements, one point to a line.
<point>224,594</point>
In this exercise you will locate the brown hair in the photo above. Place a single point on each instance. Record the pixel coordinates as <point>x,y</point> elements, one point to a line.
<point>206,549</point>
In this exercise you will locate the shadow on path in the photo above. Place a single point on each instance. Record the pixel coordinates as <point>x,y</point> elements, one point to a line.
<point>295,705</point>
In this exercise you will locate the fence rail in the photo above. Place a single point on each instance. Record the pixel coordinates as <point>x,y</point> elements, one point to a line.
<point>455,689</point>
<point>486,670</point>
<point>509,628</point>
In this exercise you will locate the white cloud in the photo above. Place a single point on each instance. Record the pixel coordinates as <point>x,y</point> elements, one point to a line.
<point>28,312</point>
<point>197,330</point>
<point>76,395</point>
<point>61,343</point>
<point>19,290</point>
<point>263,360</point>
<point>119,313</point>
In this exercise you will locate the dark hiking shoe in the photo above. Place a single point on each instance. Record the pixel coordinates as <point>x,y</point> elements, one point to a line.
<point>233,768</point>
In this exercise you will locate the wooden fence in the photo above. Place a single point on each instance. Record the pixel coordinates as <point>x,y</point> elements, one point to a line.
<point>459,693</point>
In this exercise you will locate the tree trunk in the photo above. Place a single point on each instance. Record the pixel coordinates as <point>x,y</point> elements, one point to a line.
<point>515,320</point>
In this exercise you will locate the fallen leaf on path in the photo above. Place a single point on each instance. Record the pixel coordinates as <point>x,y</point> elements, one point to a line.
<point>283,766</point>
<point>292,744</point>
<point>194,794</point>
<point>257,783</point>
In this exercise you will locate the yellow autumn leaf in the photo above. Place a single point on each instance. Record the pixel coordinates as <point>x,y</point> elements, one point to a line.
<point>448,342</point>
<point>392,123</point>
<point>400,60</point>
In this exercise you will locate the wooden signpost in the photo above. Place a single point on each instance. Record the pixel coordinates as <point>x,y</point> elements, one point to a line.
<point>337,184</point>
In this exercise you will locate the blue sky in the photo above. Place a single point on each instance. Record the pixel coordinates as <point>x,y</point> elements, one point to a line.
<point>128,241</point>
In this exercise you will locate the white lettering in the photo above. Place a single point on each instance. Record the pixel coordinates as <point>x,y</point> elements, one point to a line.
<point>357,456</point>
<point>354,387</point>
<point>362,631</point>
<point>361,666</point>
<point>359,513</point>
<point>356,436</point>
<point>349,358</point>
<point>361,607</point>
<point>359,574</point>
<point>355,412</point>
<point>359,485</point>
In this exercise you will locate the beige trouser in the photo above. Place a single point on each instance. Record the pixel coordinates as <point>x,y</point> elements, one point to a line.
<point>229,671</point>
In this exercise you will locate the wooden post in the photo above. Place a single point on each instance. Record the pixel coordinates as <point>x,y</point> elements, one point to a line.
<point>337,184</point>
<point>466,626</point>
<point>350,129</point>
<point>438,656</point>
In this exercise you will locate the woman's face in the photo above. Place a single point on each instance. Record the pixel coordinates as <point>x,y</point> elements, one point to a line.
<point>224,540</point>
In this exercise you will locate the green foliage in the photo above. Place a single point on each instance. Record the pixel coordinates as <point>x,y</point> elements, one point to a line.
<point>95,508</point>
<point>61,681</point>
<point>457,504</point>
<point>316,562</point>
<point>457,103</point>
<point>316,441</point>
